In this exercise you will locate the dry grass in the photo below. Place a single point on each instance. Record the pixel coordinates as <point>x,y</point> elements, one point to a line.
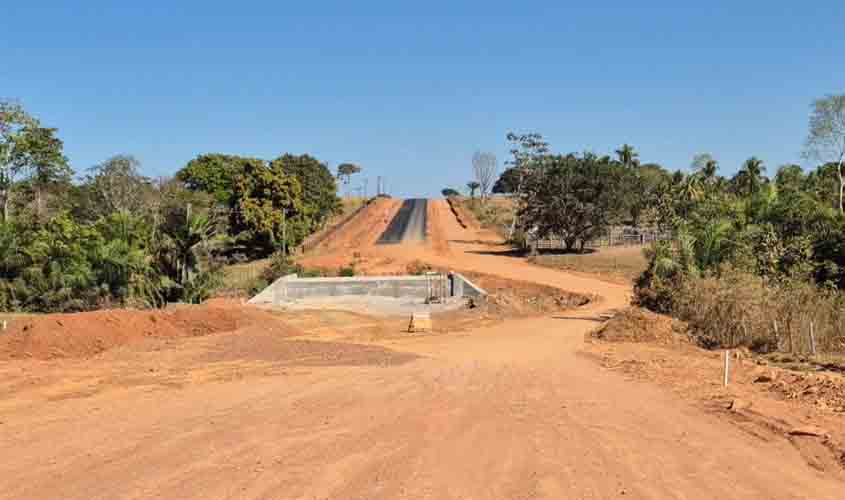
<point>739,309</point>
<point>496,213</point>
<point>623,264</point>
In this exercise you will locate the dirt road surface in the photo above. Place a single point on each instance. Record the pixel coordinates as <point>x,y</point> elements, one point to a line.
<point>510,411</point>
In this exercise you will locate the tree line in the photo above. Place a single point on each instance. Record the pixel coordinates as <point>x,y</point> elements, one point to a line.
<point>774,234</point>
<point>110,236</point>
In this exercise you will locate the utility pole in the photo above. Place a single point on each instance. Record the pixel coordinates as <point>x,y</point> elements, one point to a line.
<point>378,187</point>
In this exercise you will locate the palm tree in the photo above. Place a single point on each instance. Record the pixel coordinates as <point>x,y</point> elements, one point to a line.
<point>473,187</point>
<point>749,179</point>
<point>628,156</point>
<point>706,166</point>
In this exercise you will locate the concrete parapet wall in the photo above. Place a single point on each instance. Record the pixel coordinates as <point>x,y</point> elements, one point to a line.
<point>288,289</point>
<point>291,288</point>
<point>463,287</point>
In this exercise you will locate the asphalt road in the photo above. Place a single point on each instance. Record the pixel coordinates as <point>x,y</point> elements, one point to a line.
<point>409,224</point>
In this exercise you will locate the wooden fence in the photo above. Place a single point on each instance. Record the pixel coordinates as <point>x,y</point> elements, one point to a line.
<point>618,237</point>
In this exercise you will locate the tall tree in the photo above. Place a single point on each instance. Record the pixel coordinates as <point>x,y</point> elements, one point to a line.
<point>750,179</point>
<point>40,152</point>
<point>118,185</point>
<point>485,166</point>
<point>527,152</point>
<point>508,182</point>
<point>319,189</point>
<point>826,139</point>
<point>572,197</point>
<point>345,171</point>
<point>266,208</point>
<point>790,178</point>
<point>473,187</point>
<point>211,173</point>
<point>707,167</point>
<point>628,156</point>
<point>14,123</point>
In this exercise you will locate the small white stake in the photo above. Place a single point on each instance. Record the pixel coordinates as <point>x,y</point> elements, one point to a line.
<point>727,365</point>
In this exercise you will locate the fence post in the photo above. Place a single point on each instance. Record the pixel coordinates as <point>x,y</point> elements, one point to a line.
<point>727,365</point>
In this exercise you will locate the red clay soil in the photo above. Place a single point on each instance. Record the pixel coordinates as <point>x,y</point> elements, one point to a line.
<point>464,217</point>
<point>364,228</point>
<point>82,335</point>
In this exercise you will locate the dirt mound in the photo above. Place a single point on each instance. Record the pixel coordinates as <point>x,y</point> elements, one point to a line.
<point>83,335</point>
<point>639,325</point>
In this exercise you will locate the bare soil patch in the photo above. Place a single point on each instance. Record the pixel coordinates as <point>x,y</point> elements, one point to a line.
<point>761,398</point>
<point>88,334</point>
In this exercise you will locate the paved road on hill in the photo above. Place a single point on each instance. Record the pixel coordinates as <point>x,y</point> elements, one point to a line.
<point>408,225</point>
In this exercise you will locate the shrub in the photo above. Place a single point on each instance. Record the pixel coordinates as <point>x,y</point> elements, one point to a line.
<point>739,309</point>
<point>280,265</point>
<point>346,272</point>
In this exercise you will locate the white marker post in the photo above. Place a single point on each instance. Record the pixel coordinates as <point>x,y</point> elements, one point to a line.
<point>727,366</point>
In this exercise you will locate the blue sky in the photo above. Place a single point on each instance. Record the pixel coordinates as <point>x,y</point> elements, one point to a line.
<point>411,90</point>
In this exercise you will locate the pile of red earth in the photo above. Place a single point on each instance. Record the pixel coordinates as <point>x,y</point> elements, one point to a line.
<point>82,335</point>
<point>639,325</point>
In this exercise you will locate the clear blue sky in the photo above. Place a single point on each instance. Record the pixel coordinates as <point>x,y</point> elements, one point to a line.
<point>410,89</point>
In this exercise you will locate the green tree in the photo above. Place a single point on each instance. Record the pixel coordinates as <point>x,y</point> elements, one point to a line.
<point>39,151</point>
<point>572,197</point>
<point>319,189</point>
<point>790,178</point>
<point>266,208</point>
<point>644,186</point>
<point>15,122</point>
<point>185,247</point>
<point>628,156</point>
<point>449,192</point>
<point>826,139</point>
<point>345,171</point>
<point>706,167</point>
<point>527,152</point>
<point>212,173</point>
<point>508,182</point>
<point>750,177</point>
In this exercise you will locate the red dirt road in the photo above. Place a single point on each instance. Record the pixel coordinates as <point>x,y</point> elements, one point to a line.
<point>504,412</point>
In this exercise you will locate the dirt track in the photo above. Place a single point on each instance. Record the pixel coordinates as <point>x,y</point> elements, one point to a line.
<point>508,411</point>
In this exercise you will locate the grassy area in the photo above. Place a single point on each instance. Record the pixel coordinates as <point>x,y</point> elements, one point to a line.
<point>625,263</point>
<point>244,276</point>
<point>495,213</point>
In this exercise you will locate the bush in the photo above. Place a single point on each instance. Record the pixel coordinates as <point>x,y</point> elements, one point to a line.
<point>280,265</point>
<point>739,309</point>
<point>346,272</point>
